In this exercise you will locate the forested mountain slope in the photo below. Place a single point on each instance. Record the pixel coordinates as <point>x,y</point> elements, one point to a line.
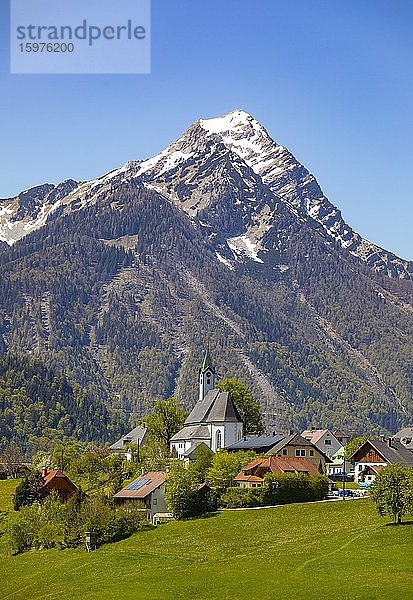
<point>221,239</point>
<point>124,295</point>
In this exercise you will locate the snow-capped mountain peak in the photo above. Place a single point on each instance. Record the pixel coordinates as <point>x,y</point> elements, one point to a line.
<point>227,165</point>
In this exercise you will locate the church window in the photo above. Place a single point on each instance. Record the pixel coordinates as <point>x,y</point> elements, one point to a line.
<point>218,439</point>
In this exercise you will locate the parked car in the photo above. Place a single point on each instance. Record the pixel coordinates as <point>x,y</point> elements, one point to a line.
<point>345,493</point>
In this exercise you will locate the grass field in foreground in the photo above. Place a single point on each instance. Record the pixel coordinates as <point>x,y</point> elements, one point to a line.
<point>339,550</point>
<point>7,489</point>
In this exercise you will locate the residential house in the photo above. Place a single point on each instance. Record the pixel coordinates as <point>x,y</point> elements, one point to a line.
<point>405,436</point>
<point>55,480</point>
<point>297,446</point>
<point>214,419</point>
<point>324,439</point>
<point>377,453</point>
<point>137,437</point>
<point>259,444</point>
<point>336,466</point>
<point>252,475</point>
<point>342,437</point>
<point>148,488</point>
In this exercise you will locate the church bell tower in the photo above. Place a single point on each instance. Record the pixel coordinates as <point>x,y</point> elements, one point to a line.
<point>207,376</point>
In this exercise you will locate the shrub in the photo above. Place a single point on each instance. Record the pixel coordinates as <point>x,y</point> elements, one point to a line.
<point>285,488</point>
<point>21,529</point>
<point>56,525</point>
<point>184,496</point>
<point>319,485</point>
<point>236,497</point>
<point>28,490</point>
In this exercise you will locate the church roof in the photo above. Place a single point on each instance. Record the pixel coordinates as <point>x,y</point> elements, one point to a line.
<point>215,407</point>
<point>207,363</point>
<point>192,432</point>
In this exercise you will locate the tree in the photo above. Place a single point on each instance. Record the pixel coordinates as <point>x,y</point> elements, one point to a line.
<point>63,456</point>
<point>155,455</point>
<point>392,491</point>
<point>354,445</point>
<point>13,459</point>
<point>167,420</point>
<point>245,403</point>
<point>203,461</point>
<point>28,490</point>
<point>225,466</point>
<point>183,495</point>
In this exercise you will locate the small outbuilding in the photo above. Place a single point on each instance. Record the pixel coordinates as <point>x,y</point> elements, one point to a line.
<point>55,480</point>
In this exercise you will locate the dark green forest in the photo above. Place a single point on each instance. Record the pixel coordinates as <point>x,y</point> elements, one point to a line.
<point>39,405</point>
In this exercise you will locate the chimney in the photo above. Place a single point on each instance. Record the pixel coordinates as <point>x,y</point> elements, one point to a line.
<point>44,471</point>
<point>382,437</point>
<point>390,442</point>
<point>143,471</point>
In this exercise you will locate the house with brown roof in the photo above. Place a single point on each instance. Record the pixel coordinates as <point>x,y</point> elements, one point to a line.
<point>375,454</point>
<point>55,480</point>
<point>148,488</point>
<point>252,475</point>
<point>296,446</point>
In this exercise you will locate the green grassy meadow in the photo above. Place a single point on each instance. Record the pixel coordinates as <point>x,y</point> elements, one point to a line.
<point>338,550</point>
<point>7,488</point>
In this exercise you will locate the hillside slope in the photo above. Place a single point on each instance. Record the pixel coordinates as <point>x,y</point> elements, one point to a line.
<point>292,547</point>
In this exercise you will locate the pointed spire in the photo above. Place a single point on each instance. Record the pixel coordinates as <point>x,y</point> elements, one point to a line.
<point>207,363</point>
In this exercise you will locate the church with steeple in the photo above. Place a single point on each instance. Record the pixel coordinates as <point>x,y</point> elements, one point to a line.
<point>214,420</point>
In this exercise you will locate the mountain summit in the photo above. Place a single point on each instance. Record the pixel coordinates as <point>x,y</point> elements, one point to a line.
<point>222,238</point>
<point>234,152</point>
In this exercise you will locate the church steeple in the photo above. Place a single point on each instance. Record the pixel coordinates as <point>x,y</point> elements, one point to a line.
<point>207,375</point>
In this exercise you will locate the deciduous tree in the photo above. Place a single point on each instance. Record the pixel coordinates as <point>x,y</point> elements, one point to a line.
<point>392,491</point>
<point>167,418</point>
<point>246,404</point>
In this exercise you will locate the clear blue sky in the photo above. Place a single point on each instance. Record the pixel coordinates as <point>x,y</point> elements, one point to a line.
<point>331,80</point>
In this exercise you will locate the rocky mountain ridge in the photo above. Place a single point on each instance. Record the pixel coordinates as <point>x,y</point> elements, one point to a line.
<point>213,154</point>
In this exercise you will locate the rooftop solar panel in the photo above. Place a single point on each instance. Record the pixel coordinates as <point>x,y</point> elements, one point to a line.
<point>135,485</point>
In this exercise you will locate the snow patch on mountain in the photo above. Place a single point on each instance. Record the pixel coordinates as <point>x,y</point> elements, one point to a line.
<point>245,246</point>
<point>225,261</point>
